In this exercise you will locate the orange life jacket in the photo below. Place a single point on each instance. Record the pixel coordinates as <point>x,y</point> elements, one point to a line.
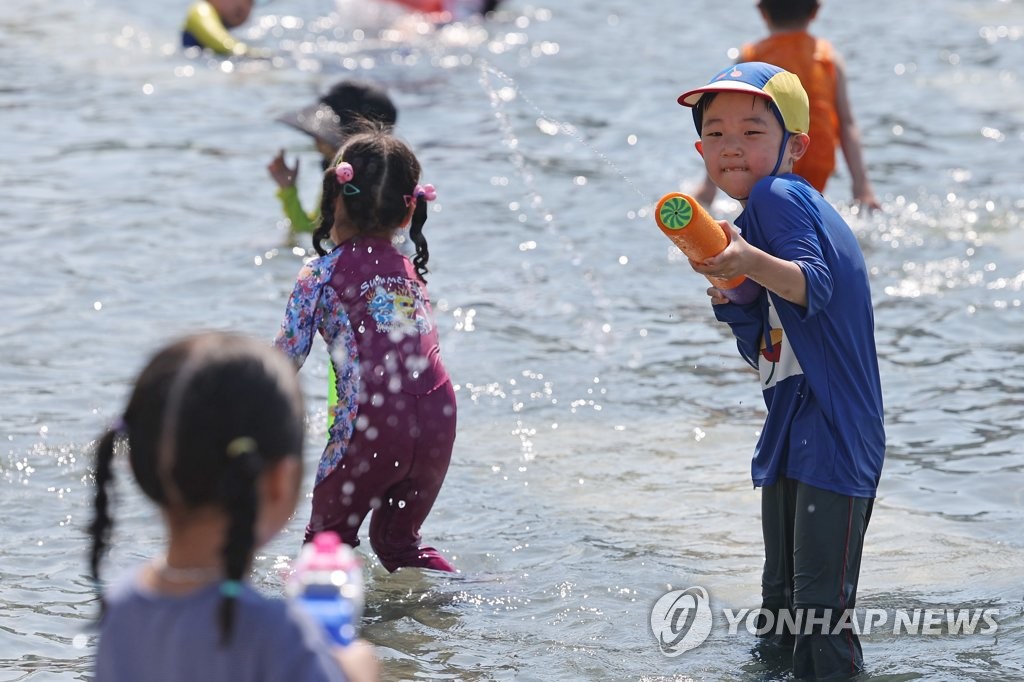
<point>427,6</point>
<point>812,60</point>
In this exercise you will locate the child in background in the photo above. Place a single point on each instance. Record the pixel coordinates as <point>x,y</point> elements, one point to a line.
<point>346,103</point>
<point>811,337</point>
<point>207,23</point>
<point>451,10</point>
<point>823,76</point>
<point>214,430</point>
<point>393,427</point>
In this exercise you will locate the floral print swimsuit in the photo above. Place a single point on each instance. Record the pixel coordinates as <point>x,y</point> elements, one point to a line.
<point>315,308</point>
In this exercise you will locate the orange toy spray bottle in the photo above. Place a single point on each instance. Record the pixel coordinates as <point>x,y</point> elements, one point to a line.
<point>699,236</point>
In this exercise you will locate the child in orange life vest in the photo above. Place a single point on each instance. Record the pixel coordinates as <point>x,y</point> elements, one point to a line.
<point>822,73</point>
<point>451,10</point>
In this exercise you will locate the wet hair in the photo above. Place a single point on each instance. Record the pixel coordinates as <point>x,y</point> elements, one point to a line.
<point>385,171</point>
<point>786,12</point>
<point>208,415</point>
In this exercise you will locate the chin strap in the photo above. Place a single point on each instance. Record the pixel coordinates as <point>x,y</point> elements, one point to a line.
<point>782,151</point>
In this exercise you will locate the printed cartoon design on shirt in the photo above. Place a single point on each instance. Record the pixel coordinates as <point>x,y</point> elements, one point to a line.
<point>396,305</point>
<point>778,362</point>
<point>774,354</point>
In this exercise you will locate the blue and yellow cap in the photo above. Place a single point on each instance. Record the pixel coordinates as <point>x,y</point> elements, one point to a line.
<point>782,88</point>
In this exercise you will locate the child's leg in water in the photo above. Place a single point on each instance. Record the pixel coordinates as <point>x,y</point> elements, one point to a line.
<point>396,467</point>
<point>395,525</point>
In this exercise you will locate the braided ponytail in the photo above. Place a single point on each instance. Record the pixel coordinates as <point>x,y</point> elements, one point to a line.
<point>238,494</point>
<point>102,524</point>
<point>329,195</point>
<point>187,411</point>
<point>419,217</point>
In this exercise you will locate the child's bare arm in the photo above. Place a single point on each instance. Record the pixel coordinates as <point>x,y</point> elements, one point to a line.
<point>849,139</point>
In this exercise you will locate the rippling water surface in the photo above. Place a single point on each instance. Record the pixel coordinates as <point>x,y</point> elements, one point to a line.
<point>606,422</point>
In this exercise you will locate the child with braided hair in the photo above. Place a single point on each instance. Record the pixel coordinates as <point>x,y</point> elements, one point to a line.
<point>214,432</point>
<point>393,428</point>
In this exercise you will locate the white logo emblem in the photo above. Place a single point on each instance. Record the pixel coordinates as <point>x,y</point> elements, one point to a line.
<point>681,620</point>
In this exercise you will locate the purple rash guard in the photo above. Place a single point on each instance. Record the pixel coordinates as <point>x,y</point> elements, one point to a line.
<point>393,428</point>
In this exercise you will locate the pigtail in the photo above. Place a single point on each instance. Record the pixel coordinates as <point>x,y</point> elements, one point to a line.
<point>102,524</point>
<point>193,397</point>
<point>330,194</point>
<point>238,495</point>
<point>419,217</point>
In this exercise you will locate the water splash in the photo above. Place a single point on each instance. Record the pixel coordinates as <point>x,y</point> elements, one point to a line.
<point>487,71</point>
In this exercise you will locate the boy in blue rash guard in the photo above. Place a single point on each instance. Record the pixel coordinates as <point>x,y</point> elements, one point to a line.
<point>810,335</point>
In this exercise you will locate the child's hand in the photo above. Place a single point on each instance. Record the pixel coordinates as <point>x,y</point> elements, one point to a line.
<point>358,661</point>
<point>281,173</point>
<point>731,262</point>
<point>717,297</point>
<point>868,200</point>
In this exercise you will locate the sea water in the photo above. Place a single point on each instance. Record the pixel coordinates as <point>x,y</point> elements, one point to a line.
<point>606,421</point>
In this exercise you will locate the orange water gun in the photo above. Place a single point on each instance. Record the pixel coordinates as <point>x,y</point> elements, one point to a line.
<point>683,220</point>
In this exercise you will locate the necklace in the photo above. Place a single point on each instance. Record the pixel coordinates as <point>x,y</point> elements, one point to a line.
<point>173,574</point>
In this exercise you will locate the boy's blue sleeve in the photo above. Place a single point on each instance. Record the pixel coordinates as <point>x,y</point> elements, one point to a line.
<point>795,222</point>
<point>747,324</point>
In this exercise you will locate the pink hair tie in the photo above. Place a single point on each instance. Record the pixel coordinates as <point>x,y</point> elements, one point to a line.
<point>427,192</point>
<point>344,173</point>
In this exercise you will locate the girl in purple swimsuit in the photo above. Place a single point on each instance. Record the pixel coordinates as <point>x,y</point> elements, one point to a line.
<point>390,441</point>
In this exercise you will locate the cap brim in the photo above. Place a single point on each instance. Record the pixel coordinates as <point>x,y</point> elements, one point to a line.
<point>318,120</point>
<point>690,98</point>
